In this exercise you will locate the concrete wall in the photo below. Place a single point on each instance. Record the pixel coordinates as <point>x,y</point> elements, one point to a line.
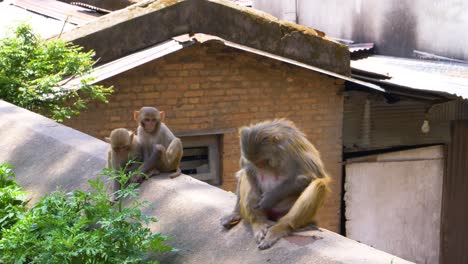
<point>47,155</point>
<point>393,202</point>
<point>210,87</point>
<point>397,27</point>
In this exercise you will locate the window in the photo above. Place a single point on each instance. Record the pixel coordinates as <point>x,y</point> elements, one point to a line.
<point>201,158</point>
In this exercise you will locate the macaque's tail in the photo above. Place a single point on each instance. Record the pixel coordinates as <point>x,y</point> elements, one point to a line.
<point>175,174</point>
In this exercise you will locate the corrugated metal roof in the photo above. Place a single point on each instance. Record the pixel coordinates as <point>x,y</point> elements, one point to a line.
<point>360,47</point>
<point>46,17</point>
<point>429,76</point>
<point>131,61</point>
<point>58,10</point>
<point>138,58</point>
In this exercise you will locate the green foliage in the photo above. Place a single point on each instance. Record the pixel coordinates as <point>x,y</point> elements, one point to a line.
<point>84,227</point>
<point>12,198</point>
<point>32,71</point>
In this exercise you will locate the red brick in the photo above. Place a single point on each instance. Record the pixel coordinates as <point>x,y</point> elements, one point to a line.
<point>205,94</point>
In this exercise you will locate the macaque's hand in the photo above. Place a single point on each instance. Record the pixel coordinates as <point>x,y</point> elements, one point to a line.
<point>139,178</point>
<point>267,201</point>
<point>158,148</point>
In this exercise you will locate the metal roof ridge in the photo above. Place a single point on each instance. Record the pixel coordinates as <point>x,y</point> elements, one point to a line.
<point>148,54</point>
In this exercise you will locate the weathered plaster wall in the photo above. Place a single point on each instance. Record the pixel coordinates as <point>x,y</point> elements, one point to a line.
<point>47,155</point>
<point>396,27</point>
<point>393,202</point>
<point>208,87</point>
<point>151,22</point>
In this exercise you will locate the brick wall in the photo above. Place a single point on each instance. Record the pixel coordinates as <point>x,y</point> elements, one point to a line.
<point>210,86</point>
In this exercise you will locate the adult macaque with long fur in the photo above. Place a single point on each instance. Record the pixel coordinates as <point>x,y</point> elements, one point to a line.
<point>158,143</point>
<point>282,179</point>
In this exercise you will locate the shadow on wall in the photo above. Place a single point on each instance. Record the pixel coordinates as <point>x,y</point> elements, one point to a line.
<point>399,31</point>
<point>362,29</point>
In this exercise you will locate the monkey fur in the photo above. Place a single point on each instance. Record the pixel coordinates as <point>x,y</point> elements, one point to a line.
<point>282,178</point>
<point>123,148</point>
<point>160,148</point>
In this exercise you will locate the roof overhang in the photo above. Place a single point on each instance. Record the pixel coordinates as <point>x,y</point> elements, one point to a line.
<point>136,59</point>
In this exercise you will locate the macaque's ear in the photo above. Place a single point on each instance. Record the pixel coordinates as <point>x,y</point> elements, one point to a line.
<point>136,114</point>
<point>162,116</point>
<point>107,139</point>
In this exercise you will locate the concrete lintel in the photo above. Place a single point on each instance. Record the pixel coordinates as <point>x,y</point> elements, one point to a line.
<point>48,155</point>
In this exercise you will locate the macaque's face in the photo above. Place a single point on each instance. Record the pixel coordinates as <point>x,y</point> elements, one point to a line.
<point>149,121</point>
<point>121,141</point>
<point>120,149</point>
<point>261,153</point>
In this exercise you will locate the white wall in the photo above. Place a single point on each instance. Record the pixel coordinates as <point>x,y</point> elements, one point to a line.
<point>393,202</point>
<point>396,26</point>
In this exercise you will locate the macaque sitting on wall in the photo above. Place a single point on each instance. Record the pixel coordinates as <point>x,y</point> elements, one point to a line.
<point>123,148</point>
<point>160,148</point>
<point>282,178</point>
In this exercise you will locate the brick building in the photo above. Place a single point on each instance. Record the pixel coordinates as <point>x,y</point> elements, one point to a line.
<point>210,85</point>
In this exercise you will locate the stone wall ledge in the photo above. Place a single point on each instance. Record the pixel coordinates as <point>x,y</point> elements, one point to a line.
<point>47,155</point>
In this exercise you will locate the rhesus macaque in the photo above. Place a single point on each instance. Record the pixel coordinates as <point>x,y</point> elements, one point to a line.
<point>158,143</point>
<point>282,178</point>
<point>123,148</point>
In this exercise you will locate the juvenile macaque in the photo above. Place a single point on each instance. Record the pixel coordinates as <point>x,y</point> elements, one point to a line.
<point>282,179</point>
<point>160,148</point>
<point>123,148</point>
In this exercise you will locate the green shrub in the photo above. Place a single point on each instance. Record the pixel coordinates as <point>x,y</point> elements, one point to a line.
<point>12,198</point>
<point>33,70</point>
<point>83,227</point>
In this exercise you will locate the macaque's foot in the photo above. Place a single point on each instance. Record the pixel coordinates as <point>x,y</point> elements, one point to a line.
<point>139,178</point>
<point>260,230</point>
<point>231,220</point>
<point>273,235</point>
<point>175,174</point>
<point>155,172</point>
<point>268,241</point>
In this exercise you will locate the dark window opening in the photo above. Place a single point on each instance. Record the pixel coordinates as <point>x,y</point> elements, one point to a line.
<point>201,158</point>
<point>195,161</point>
